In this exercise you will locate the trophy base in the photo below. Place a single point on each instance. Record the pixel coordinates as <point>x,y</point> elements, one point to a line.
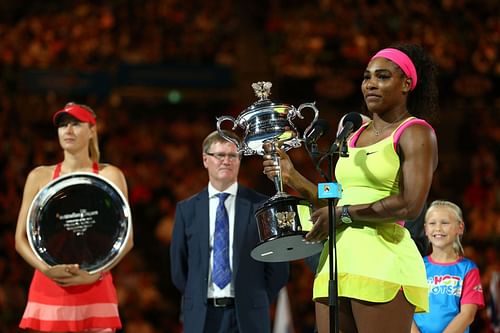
<point>285,248</point>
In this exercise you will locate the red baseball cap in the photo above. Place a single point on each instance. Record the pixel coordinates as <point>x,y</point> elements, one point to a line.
<point>80,112</point>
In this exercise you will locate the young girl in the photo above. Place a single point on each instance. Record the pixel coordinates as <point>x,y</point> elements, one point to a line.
<point>455,291</point>
<point>65,298</point>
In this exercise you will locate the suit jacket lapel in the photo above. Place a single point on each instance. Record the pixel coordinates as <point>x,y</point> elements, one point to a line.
<point>203,222</point>
<point>243,216</point>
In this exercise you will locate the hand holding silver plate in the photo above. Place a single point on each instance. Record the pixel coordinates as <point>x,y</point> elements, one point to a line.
<point>80,218</point>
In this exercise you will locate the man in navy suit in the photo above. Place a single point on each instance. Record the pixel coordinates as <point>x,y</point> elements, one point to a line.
<point>240,304</point>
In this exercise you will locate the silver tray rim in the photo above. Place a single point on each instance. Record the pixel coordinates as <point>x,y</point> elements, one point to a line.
<point>53,187</point>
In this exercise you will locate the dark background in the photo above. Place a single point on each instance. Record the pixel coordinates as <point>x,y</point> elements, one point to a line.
<point>159,72</point>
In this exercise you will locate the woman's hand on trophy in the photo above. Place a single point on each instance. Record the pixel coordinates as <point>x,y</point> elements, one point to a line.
<point>319,231</point>
<point>282,168</point>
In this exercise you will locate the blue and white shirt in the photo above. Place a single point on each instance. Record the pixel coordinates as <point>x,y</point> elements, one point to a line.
<point>450,286</point>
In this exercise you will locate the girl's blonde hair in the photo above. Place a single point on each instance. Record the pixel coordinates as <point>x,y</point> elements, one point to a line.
<point>457,244</point>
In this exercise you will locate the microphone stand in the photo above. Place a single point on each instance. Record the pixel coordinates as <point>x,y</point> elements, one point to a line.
<point>333,304</point>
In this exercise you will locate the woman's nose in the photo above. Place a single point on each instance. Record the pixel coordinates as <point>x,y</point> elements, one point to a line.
<point>370,84</point>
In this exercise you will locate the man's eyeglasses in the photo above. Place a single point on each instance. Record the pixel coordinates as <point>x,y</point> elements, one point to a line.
<point>221,156</point>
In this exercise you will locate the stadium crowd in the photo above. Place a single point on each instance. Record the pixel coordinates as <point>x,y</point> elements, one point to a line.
<point>316,50</point>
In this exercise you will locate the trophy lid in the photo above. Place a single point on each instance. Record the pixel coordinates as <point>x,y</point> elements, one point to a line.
<point>267,121</point>
<point>262,90</point>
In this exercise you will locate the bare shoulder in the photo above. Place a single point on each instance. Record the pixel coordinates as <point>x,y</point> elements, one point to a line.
<point>40,176</point>
<point>418,133</point>
<point>419,141</point>
<point>113,174</point>
<point>109,169</point>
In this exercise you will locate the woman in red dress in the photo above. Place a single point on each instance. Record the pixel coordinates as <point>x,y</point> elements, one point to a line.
<point>65,298</point>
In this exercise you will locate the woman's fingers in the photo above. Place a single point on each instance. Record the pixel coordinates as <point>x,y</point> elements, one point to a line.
<point>319,231</point>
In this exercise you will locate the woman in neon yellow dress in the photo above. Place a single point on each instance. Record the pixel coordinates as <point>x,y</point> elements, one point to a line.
<point>386,180</point>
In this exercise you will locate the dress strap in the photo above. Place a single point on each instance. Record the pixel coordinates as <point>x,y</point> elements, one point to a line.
<point>410,121</point>
<point>354,137</point>
<point>95,167</point>
<point>57,170</point>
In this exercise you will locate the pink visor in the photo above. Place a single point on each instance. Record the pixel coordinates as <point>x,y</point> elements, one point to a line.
<point>76,111</point>
<point>402,60</point>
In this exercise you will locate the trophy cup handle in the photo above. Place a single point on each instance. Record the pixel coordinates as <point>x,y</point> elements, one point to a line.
<point>220,120</point>
<point>313,122</point>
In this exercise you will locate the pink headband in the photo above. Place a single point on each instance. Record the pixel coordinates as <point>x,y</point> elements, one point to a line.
<point>402,60</point>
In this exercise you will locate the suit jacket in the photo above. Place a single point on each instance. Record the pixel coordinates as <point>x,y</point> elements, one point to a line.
<point>256,284</point>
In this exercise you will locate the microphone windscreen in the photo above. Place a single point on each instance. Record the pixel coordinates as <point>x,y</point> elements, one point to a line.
<point>355,119</point>
<point>322,125</point>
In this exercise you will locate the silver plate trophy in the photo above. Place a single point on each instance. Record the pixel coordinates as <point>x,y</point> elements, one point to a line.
<point>283,220</point>
<point>80,218</point>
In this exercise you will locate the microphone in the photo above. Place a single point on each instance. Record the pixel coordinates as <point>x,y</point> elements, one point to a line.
<point>320,128</point>
<point>352,122</point>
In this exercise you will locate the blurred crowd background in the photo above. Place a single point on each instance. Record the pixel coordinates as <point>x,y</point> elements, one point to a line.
<point>159,72</point>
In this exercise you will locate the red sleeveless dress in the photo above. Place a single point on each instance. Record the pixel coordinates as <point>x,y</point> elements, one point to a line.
<point>52,308</point>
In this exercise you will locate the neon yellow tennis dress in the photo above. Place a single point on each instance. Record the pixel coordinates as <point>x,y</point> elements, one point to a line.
<point>374,262</point>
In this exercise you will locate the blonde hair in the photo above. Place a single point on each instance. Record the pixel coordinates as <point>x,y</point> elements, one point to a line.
<point>94,152</point>
<point>457,244</point>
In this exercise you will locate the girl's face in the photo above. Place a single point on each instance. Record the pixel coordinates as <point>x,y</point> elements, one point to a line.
<point>74,135</point>
<point>442,227</point>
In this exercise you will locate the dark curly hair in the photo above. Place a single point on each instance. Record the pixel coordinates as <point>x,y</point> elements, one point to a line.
<point>423,101</point>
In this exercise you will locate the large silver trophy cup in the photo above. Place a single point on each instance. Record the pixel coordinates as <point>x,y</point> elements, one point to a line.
<point>80,218</point>
<point>283,220</point>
